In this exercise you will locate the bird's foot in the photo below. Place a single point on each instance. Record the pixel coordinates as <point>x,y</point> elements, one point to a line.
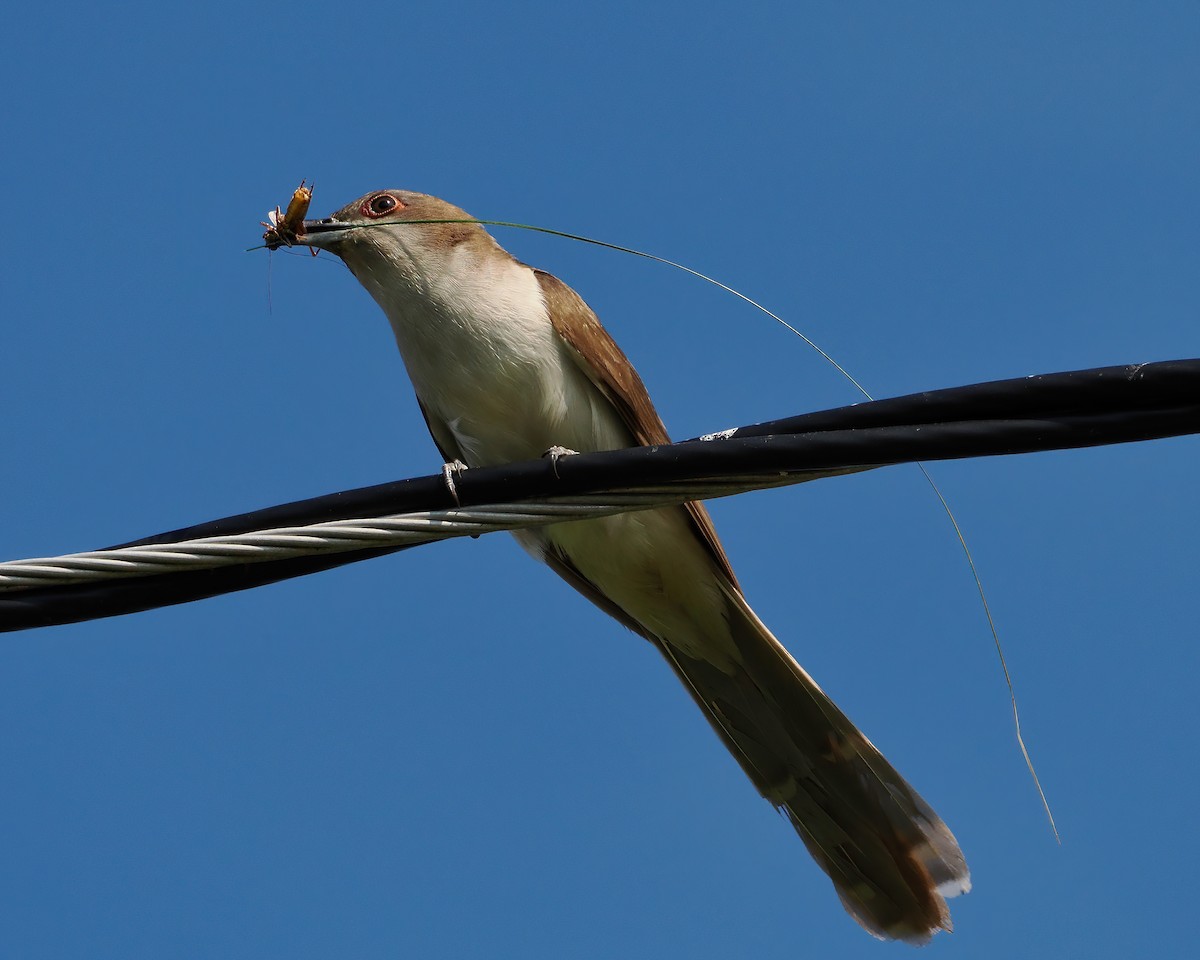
<point>556,453</point>
<point>454,468</point>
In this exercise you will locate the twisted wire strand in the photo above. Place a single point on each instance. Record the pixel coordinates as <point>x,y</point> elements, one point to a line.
<point>339,536</point>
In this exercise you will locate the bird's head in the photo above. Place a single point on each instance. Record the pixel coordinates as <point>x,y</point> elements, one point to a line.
<point>398,235</point>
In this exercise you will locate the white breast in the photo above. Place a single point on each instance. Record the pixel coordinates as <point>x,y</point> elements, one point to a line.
<point>487,363</point>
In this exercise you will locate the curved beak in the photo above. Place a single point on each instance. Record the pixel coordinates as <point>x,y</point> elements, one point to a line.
<point>323,234</point>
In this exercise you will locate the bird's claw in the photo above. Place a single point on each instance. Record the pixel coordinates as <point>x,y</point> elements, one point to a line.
<point>556,453</point>
<point>449,471</point>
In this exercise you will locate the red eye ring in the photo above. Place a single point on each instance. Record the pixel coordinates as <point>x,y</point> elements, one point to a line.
<point>380,205</point>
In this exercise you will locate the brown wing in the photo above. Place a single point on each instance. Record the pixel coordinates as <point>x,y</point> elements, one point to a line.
<point>598,355</point>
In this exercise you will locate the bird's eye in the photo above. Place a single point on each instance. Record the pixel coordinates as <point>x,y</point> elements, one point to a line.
<point>380,205</point>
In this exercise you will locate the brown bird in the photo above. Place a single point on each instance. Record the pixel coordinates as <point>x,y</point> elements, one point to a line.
<point>508,362</point>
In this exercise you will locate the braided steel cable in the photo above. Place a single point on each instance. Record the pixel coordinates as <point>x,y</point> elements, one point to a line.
<point>341,536</point>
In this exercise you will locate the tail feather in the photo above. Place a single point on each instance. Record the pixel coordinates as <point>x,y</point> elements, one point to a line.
<point>891,859</point>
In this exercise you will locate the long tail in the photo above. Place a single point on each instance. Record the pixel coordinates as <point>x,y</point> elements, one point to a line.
<point>891,859</point>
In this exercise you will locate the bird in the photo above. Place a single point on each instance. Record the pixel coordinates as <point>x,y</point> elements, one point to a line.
<point>508,363</point>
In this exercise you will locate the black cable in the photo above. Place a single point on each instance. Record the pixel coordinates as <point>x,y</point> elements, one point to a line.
<point>1049,412</point>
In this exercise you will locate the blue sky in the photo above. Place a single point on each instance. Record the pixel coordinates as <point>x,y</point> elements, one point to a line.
<point>448,753</point>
